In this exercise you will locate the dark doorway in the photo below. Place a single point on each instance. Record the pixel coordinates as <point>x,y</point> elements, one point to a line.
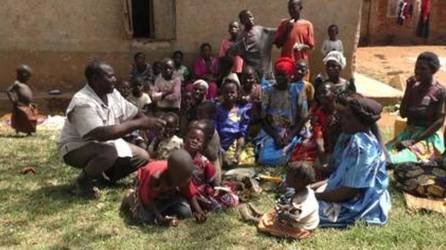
<point>142,18</point>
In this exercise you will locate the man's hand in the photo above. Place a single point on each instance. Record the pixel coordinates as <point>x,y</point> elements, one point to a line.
<point>151,123</point>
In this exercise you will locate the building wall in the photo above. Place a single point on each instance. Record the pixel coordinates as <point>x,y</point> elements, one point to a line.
<point>378,28</point>
<point>58,38</point>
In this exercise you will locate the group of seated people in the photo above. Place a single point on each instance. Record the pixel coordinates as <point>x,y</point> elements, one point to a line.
<point>180,140</point>
<point>180,129</point>
<point>324,132</point>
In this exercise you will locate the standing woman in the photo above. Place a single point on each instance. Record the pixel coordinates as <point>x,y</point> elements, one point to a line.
<point>423,105</point>
<point>357,187</point>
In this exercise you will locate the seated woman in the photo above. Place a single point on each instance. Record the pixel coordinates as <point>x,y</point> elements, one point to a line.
<point>357,187</point>
<point>206,68</point>
<point>283,116</point>
<point>423,106</point>
<point>335,62</point>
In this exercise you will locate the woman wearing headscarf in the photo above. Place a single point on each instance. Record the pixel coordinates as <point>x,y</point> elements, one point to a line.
<point>423,105</point>
<point>334,63</point>
<point>356,189</point>
<point>284,109</point>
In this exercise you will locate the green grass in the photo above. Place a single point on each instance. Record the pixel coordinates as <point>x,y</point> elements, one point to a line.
<point>37,212</point>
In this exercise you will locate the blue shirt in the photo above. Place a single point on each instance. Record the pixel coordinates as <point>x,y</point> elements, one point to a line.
<point>232,124</point>
<point>360,163</point>
<point>284,105</point>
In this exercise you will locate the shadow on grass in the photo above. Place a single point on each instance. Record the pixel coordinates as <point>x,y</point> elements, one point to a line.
<point>15,136</point>
<point>45,201</point>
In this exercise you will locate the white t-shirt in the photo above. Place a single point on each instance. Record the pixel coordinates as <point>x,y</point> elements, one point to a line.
<point>141,101</point>
<point>87,111</point>
<point>308,218</point>
<point>330,45</point>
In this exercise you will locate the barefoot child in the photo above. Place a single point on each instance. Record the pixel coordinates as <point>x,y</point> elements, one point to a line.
<point>296,213</point>
<point>232,122</point>
<point>164,192</point>
<point>24,112</point>
<point>167,142</point>
<point>332,43</point>
<point>205,175</point>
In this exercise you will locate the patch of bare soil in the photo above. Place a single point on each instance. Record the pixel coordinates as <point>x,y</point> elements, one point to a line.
<point>392,64</point>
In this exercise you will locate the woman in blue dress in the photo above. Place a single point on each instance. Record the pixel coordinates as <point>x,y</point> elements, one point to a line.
<point>356,189</point>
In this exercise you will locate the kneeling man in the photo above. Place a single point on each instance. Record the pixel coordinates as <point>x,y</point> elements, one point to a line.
<point>97,119</point>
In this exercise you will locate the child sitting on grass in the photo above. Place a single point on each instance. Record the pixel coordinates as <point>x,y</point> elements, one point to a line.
<point>204,176</point>
<point>164,192</point>
<point>211,147</point>
<point>167,141</point>
<point>296,213</point>
<point>232,122</point>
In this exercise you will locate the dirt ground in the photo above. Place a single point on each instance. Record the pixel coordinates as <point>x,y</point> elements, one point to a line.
<point>390,63</point>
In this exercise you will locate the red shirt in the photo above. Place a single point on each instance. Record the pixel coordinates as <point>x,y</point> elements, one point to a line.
<point>146,176</point>
<point>204,173</point>
<point>302,32</point>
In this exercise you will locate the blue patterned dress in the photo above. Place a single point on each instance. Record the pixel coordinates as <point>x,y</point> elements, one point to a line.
<point>360,163</point>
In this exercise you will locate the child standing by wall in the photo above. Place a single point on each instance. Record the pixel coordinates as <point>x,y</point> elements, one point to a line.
<point>233,30</point>
<point>167,89</point>
<point>24,112</point>
<point>295,35</point>
<point>333,43</point>
<point>167,141</point>
<point>141,68</point>
<point>181,71</point>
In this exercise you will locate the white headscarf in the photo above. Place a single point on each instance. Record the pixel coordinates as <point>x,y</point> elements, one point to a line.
<point>336,56</point>
<point>201,82</point>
